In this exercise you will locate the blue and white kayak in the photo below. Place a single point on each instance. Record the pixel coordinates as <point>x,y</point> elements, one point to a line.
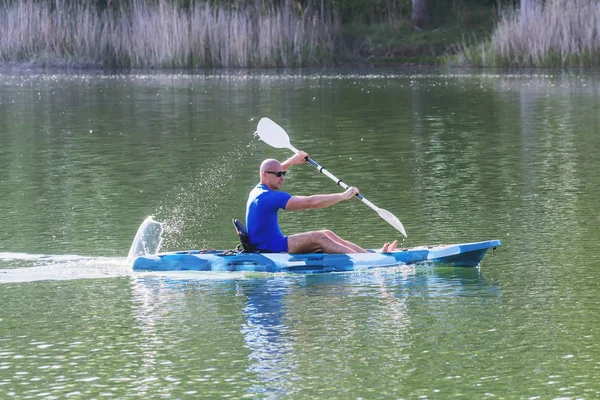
<point>462,255</point>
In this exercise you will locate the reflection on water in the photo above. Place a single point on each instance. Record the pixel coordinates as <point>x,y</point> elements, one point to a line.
<point>266,335</point>
<point>286,324</point>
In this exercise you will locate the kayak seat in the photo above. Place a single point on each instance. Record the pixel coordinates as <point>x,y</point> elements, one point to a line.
<point>244,240</point>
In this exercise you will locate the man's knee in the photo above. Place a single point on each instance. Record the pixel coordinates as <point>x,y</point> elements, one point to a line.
<point>327,234</point>
<point>318,237</point>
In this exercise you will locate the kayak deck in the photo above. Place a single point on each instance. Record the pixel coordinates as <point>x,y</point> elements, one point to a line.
<point>461,255</point>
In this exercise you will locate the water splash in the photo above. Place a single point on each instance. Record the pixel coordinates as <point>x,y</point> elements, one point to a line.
<point>188,212</point>
<point>147,240</point>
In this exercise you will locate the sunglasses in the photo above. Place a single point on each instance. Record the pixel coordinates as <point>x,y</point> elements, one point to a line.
<point>278,174</point>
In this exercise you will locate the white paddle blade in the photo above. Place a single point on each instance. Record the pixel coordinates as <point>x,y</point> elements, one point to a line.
<point>272,134</point>
<point>392,220</point>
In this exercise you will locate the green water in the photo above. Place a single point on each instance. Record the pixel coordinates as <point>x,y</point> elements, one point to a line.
<point>456,156</point>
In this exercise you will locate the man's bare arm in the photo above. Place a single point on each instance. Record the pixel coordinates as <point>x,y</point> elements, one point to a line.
<point>296,203</point>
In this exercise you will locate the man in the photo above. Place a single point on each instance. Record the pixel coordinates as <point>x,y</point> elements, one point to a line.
<point>265,200</point>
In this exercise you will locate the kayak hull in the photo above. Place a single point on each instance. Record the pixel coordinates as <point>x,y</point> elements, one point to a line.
<point>460,255</point>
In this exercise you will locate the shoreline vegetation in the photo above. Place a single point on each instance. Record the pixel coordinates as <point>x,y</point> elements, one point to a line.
<point>294,33</point>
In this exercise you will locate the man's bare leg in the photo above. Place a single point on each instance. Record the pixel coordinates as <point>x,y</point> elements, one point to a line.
<point>325,241</point>
<point>346,243</point>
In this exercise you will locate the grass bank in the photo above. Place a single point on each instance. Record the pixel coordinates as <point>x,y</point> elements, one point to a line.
<point>164,35</point>
<point>396,41</point>
<point>560,33</point>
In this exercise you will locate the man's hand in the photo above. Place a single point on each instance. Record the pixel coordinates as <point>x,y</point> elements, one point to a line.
<point>350,193</point>
<point>298,158</point>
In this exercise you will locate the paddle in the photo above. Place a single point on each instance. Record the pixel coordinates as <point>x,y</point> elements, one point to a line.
<point>274,135</point>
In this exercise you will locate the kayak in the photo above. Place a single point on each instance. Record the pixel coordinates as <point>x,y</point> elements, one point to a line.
<point>460,255</point>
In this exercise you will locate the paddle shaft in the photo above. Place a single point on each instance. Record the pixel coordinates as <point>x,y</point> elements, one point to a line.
<point>385,214</point>
<point>334,178</point>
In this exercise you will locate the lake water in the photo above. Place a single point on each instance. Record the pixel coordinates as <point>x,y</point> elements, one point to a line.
<point>457,156</point>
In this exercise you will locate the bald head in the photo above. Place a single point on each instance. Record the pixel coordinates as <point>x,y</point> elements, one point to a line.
<point>270,164</point>
<point>268,168</point>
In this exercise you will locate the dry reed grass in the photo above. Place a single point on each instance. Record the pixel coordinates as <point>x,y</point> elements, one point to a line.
<point>559,33</point>
<point>163,36</point>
